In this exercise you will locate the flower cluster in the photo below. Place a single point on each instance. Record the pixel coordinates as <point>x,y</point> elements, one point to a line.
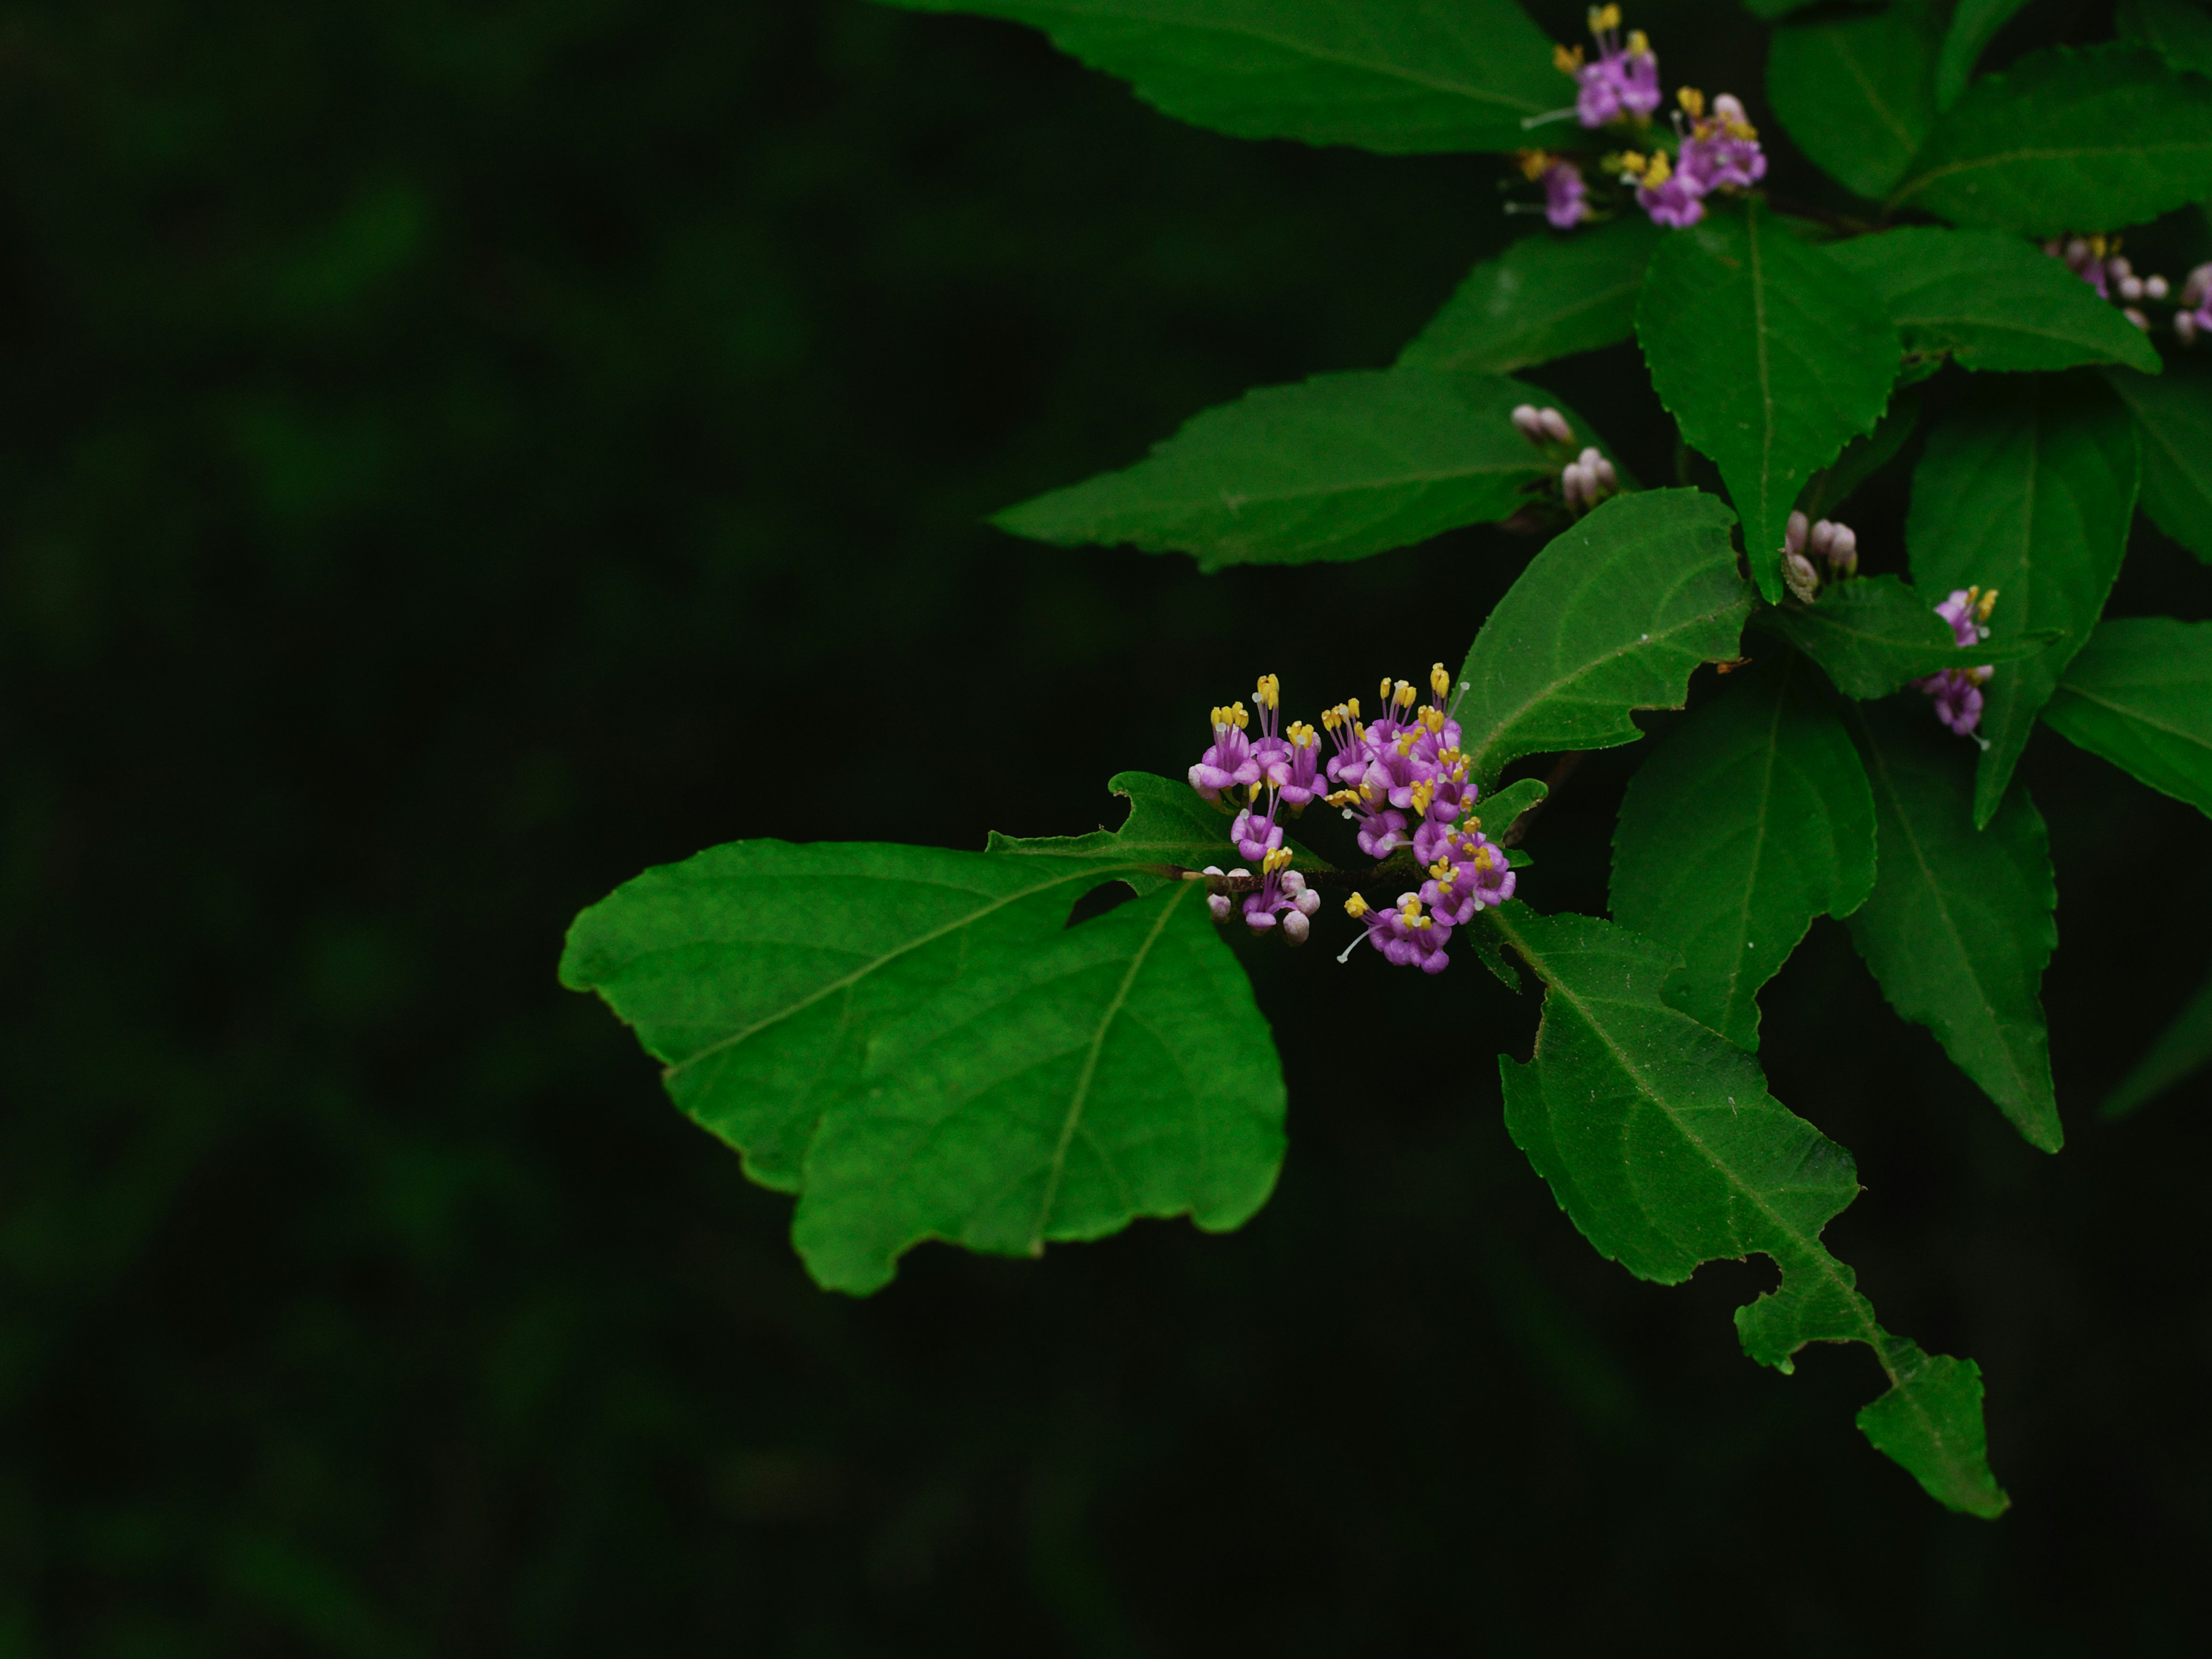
<point>1401,777</point>
<point>1958,691</point>
<point>2194,316</point>
<point>1585,480</point>
<point>1717,150</point>
<point>1624,81</point>
<point>1283,765</point>
<point>1566,198</point>
<point>1837,544</point>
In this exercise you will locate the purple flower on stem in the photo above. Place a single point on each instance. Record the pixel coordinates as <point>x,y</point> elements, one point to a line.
<point>1958,691</point>
<point>1227,762</point>
<point>1673,199</point>
<point>1720,151</point>
<point>1623,82</point>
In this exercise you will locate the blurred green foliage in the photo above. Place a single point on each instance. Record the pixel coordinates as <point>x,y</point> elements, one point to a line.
<point>459,454</point>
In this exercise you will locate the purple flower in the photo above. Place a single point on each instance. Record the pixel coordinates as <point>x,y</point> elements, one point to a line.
<point>1623,82</point>
<point>1671,198</point>
<point>1563,193</point>
<point>1228,761</point>
<point>1958,691</point>
<point>2196,316</point>
<point>1721,151</point>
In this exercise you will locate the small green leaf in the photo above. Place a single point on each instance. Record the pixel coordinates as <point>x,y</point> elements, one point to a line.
<point>1863,457</point>
<point>1337,467</point>
<point>2029,488</point>
<point>1858,93</point>
<point>2068,141</point>
<point>2179,32</point>
<point>1549,296</point>
<point>1974,24</point>
<point>1610,617</point>
<point>1959,929</point>
<point>1770,355</point>
<point>1405,77</point>
<point>2180,1053</point>
<point>1875,634</point>
<point>1992,301</point>
<point>1660,1141</point>
<point>1500,809</point>
<point>2174,418</point>
<point>914,1041</point>
<point>1751,819</point>
<point>2139,694</point>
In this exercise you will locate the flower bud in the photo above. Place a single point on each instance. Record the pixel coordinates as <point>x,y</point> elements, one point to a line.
<point>1793,540</point>
<point>2185,325</point>
<point>2154,287</point>
<point>1218,904</point>
<point>1528,424</point>
<point>1307,902</point>
<point>1798,574</point>
<point>2131,288</point>
<point>1555,426</point>
<point>1295,927</point>
<point>2136,317</point>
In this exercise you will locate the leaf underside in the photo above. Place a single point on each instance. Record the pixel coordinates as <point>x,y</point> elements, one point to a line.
<point>1546,296</point>
<point>2139,694</point>
<point>914,1041</point>
<point>2173,419</point>
<point>1659,1139</point>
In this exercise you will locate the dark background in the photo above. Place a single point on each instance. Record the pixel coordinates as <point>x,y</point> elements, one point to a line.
<point>456,455</point>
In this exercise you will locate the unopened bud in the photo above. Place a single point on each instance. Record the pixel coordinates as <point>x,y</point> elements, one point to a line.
<point>1793,539</point>
<point>2120,266</point>
<point>1818,540</point>
<point>1295,927</point>
<point>1294,882</point>
<point>2131,288</point>
<point>2077,252</point>
<point>1574,486</point>
<point>1798,574</point>
<point>1844,546</point>
<point>2185,325</point>
<point>1307,902</point>
<point>2154,287</point>
<point>1607,479</point>
<point>1555,426</point>
<point>1529,424</point>
<point>2136,317</point>
<point>1218,904</point>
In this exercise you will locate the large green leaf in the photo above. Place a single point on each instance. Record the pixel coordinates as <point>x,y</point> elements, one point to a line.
<point>1399,75</point>
<point>2029,488</point>
<point>2174,418</point>
<point>1857,92</point>
<point>1661,1144</point>
<point>914,1041</point>
<point>1874,634</point>
<point>1610,617</point>
<point>1992,301</point>
<point>2139,694</point>
<point>1751,819</point>
<point>2178,30</point>
<point>2181,1051</point>
<point>1833,485</point>
<point>1959,929</point>
<point>1336,467</point>
<point>1546,296</point>
<point>2065,140</point>
<point>1974,24</point>
<point>1772,357</point>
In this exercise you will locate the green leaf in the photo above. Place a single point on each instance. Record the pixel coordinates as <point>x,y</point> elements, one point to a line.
<point>2068,141</point>
<point>1549,296</point>
<point>2173,419</point>
<point>1875,634</point>
<point>1992,301</point>
<point>1863,457</point>
<point>2029,488</point>
<point>914,1041</point>
<point>1751,819</point>
<point>1610,617</point>
<point>1974,24</point>
<point>1337,467</point>
<point>1959,929</point>
<point>2181,33</point>
<point>2180,1053</point>
<point>1399,75</point>
<point>1660,1141</point>
<point>1770,356</point>
<point>1858,93</point>
<point>1500,809</point>
<point>2139,694</point>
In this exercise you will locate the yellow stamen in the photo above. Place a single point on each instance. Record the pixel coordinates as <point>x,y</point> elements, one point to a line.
<point>1692,102</point>
<point>1383,691</point>
<point>1355,906</point>
<point>1442,871</point>
<point>1566,59</point>
<point>1424,792</point>
<point>1433,719</point>
<point>1238,716</point>
<point>1638,47</point>
<point>1989,603</point>
<point>1534,163</point>
<point>1302,735</point>
<point>1659,171</point>
<point>1352,707</point>
<point>1276,862</point>
<point>1404,694</point>
<point>1439,682</point>
<point>1604,18</point>
<point>1268,694</point>
<point>1632,163</point>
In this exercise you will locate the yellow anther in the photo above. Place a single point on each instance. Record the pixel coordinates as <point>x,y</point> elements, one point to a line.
<point>1659,171</point>
<point>1439,682</point>
<point>1276,862</point>
<point>1442,871</point>
<point>1303,735</point>
<point>1355,906</point>
<point>1352,707</point>
<point>1632,164</point>
<point>1484,857</point>
<point>1424,792</point>
<point>1404,694</point>
<point>1341,797</point>
<point>2099,245</point>
<point>1329,717</point>
<point>1238,717</point>
<point>1604,18</point>
<point>1472,822</point>
<point>1383,691</point>
<point>1534,163</point>
<point>1412,912</point>
<point>1433,719</point>
<point>1268,694</point>
<point>1638,46</point>
<point>1406,744</point>
<point>1692,102</point>
<point>1989,603</point>
<point>1566,59</point>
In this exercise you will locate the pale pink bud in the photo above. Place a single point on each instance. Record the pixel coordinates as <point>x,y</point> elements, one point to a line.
<point>2185,325</point>
<point>1793,540</point>
<point>1218,904</point>
<point>2131,288</point>
<point>1295,927</point>
<point>2136,317</point>
<point>1527,424</point>
<point>2154,287</point>
<point>1555,426</point>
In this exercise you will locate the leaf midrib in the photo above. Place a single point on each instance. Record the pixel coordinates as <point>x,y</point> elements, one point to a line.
<point>2047,154</point>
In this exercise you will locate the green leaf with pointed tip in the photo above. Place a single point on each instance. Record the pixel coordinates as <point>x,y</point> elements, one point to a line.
<point>1858,93</point>
<point>1991,301</point>
<point>1549,296</point>
<point>1863,457</point>
<point>1875,634</point>
<point>1610,617</point>
<point>2181,1051</point>
<point>2173,419</point>
<point>914,1041</point>
<point>1337,467</point>
<point>1751,819</point>
<point>2178,32</point>
<point>1404,77</point>
<point>2029,488</point>
<point>1501,809</point>
<point>1974,24</point>
<point>1770,356</point>
<point>2068,141</point>
<point>1660,1141</point>
<point>2139,694</point>
<point>1959,929</point>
